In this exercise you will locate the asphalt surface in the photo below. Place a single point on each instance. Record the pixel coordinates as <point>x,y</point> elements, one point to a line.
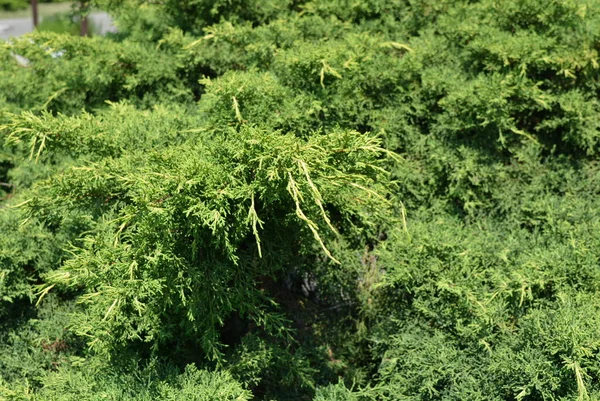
<point>19,26</point>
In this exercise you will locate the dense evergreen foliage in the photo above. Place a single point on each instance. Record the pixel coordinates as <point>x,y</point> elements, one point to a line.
<point>304,200</point>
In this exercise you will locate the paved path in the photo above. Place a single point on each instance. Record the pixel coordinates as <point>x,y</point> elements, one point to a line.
<point>19,26</point>
<point>15,27</point>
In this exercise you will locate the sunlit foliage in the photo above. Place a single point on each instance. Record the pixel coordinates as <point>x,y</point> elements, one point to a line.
<point>304,200</point>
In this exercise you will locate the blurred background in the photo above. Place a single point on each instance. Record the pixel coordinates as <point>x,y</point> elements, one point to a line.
<point>16,18</point>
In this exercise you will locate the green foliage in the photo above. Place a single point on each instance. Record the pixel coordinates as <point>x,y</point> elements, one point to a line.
<point>35,342</point>
<point>84,384</point>
<point>12,5</point>
<point>192,384</point>
<point>193,16</point>
<point>184,230</point>
<point>64,23</point>
<point>337,392</point>
<point>474,313</point>
<point>296,200</point>
<point>151,252</point>
<point>67,74</point>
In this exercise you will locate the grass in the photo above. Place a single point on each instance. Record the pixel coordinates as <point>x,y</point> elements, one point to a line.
<point>44,9</point>
<point>63,23</point>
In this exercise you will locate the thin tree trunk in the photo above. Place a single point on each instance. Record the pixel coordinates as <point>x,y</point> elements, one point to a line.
<point>84,25</point>
<point>34,9</point>
<point>84,9</point>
